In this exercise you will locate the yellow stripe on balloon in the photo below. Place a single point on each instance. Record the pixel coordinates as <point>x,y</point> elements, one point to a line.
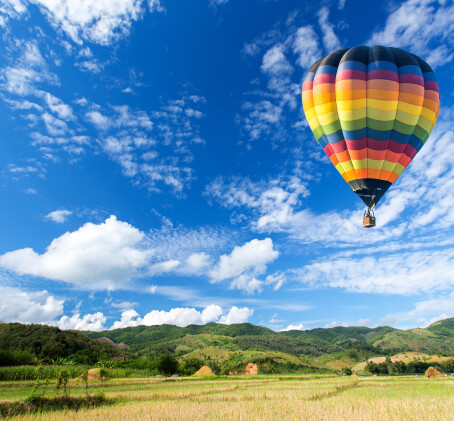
<point>409,108</point>
<point>352,114</point>
<point>353,104</point>
<point>378,104</point>
<point>329,118</point>
<point>326,108</point>
<point>381,115</point>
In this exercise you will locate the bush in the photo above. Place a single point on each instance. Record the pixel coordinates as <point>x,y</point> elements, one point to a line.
<point>347,371</point>
<point>10,358</point>
<point>27,372</point>
<point>167,364</point>
<point>190,366</point>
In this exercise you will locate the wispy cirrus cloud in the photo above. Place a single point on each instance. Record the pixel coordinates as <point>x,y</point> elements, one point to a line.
<point>285,51</point>
<point>406,273</point>
<point>422,26</point>
<point>58,216</point>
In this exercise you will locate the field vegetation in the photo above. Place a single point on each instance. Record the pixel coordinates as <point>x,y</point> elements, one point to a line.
<point>242,397</point>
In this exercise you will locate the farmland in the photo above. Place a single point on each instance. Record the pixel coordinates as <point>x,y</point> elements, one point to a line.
<point>256,397</point>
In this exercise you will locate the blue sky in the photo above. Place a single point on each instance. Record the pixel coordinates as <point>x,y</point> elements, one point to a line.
<point>156,167</point>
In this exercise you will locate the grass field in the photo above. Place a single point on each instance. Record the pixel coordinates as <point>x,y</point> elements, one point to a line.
<point>260,397</point>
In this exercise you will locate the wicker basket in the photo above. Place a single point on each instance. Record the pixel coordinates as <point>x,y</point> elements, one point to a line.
<point>369,221</point>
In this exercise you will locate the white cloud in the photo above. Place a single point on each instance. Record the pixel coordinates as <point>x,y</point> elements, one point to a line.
<point>305,46</point>
<point>21,306</point>
<point>274,61</point>
<point>163,267</point>
<point>97,119</point>
<point>28,71</point>
<point>360,322</point>
<point>198,261</point>
<point>422,26</point>
<point>272,202</point>
<point>100,256</point>
<point>298,326</point>
<point>129,318</point>
<point>403,273</point>
<point>57,106</point>
<point>184,316</point>
<point>330,40</point>
<point>54,126</point>
<point>124,305</point>
<point>155,5</point>
<point>100,22</point>
<point>58,216</point>
<point>247,283</point>
<point>94,322</point>
<point>252,257</point>
<point>424,313</point>
<point>237,315</point>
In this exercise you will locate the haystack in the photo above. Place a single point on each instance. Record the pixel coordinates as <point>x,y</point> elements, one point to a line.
<point>251,369</point>
<point>205,371</point>
<point>93,375</point>
<point>432,372</point>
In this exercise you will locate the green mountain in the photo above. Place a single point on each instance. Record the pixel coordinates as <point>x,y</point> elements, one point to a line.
<point>319,347</point>
<point>227,348</point>
<point>30,342</point>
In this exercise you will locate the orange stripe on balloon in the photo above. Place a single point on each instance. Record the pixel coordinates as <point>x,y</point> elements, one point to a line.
<point>342,85</point>
<point>393,177</point>
<point>411,88</point>
<point>380,84</point>
<point>431,105</point>
<point>383,95</point>
<point>351,94</point>
<point>324,88</point>
<point>410,98</point>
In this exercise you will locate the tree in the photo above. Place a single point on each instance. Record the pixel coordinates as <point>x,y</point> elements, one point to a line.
<point>167,364</point>
<point>347,371</point>
<point>191,365</point>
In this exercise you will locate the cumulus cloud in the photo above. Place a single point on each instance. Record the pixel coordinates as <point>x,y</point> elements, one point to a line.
<point>251,257</point>
<point>22,306</point>
<point>236,315</point>
<point>298,326</point>
<point>184,316</point>
<point>58,216</point>
<point>93,322</point>
<point>95,256</point>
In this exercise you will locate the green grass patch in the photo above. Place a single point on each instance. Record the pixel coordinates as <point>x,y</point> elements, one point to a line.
<point>42,404</point>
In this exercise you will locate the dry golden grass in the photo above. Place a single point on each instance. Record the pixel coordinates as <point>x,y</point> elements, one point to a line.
<point>272,398</point>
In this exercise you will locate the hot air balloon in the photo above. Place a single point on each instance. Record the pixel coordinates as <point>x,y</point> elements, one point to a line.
<point>371,109</point>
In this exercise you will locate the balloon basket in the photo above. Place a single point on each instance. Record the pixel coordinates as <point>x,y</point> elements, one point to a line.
<point>369,222</point>
<point>369,219</point>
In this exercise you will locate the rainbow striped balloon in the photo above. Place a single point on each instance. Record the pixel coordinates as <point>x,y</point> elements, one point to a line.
<point>371,109</point>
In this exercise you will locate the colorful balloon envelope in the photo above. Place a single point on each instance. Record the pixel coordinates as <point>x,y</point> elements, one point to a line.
<point>371,109</point>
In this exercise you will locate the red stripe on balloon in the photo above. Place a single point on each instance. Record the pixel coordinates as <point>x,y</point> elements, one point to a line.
<point>383,74</point>
<point>351,74</point>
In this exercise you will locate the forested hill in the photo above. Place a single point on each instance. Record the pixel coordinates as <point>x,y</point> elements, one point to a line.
<point>237,343</point>
<point>28,343</point>
<point>435,339</point>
